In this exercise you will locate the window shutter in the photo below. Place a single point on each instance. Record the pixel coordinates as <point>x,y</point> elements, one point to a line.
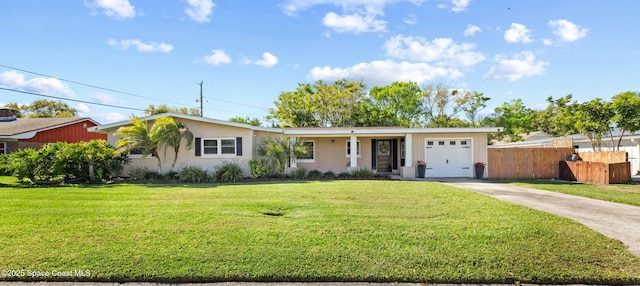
<point>394,153</point>
<point>238,146</point>
<point>198,146</point>
<point>374,152</point>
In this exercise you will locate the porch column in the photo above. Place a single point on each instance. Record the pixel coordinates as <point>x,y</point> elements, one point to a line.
<point>408,170</point>
<point>354,152</point>
<point>408,150</point>
<point>292,159</point>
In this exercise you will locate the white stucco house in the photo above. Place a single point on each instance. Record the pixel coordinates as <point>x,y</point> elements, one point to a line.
<point>448,152</point>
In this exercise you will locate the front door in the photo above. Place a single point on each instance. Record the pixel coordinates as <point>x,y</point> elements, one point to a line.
<point>383,157</point>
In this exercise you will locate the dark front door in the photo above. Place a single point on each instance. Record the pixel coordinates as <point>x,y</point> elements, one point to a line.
<point>383,156</point>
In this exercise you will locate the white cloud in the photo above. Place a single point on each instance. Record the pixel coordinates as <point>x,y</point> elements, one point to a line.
<point>358,16</point>
<point>456,5</point>
<point>355,23</point>
<point>517,34</point>
<point>142,47</point>
<point>104,118</point>
<point>217,58</point>
<point>48,86</point>
<point>199,10</point>
<point>460,5</point>
<point>119,9</point>
<point>521,65</point>
<point>567,31</point>
<point>547,42</point>
<point>441,51</point>
<point>471,30</point>
<point>268,60</point>
<point>81,107</point>
<point>411,19</point>
<point>384,72</point>
<point>103,98</point>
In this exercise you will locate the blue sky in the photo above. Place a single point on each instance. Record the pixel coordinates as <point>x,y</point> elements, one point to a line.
<point>142,52</point>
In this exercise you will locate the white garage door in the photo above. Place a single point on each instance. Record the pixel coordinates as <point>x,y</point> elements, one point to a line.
<point>448,157</point>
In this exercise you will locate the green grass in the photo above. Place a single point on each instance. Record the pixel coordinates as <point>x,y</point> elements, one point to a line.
<point>620,193</point>
<point>304,231</point>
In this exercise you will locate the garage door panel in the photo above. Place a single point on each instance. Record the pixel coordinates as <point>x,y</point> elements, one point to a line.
<point>448,158</point>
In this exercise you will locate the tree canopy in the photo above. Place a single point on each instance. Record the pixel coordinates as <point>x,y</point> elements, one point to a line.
<point>43,108</point>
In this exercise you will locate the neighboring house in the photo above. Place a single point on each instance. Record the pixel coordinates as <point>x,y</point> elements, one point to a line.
<point>448,152</point>
<point>20,133</point>
<point>630,143</point>
<point>531,136</point>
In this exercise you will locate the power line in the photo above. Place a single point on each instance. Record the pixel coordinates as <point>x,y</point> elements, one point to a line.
<point>89,85</point>
<point>69,99</point>
<point>241,104</point>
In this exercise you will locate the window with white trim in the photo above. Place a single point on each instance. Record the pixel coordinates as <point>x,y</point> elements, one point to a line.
<point>357,148</point>
<point>3,148</point>
<point>310,156</point>
<point>218,146</point>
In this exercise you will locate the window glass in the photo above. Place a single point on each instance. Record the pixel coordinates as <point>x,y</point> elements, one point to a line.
<point>228,146</point>
<point>441,143</point>
<point>452,142</point>
<point>310,154</point>
<point>210,147</point>
<point>3,148</point>
<point>430,143</point>
<point>463,142</point>
<point>349,148</point>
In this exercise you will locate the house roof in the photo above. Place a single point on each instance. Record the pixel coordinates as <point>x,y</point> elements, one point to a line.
<point>104,128</point>
<point>575,137</point>
<point>319,131</point>
<point>25,128</point>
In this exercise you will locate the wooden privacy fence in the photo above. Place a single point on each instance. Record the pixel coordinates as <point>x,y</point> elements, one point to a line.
<point>595,172</point>
<point>598,168</point>
<point>605,157</point>
<point>525,163</point>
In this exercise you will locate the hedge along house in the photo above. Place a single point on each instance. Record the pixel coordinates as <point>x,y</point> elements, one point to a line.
<point>20,133</point>
<point>448,152</point>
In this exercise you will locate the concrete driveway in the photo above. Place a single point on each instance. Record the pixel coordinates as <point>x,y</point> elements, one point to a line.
<point>614,220</point>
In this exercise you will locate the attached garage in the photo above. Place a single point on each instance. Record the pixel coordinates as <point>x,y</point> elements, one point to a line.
<point>448,157</point>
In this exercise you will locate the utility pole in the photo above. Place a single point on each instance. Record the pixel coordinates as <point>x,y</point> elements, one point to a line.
<point>201,111</point>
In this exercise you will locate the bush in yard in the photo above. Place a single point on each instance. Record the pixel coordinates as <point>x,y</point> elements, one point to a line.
<point>229,172</point>
<point>314,174</point>
<point>4,165</point>
<point>363,172</point>
<point>298,173</point>
<point>142,174</point>
<point>258,168</point>
<point>193,174</point>
<point>329,174</point>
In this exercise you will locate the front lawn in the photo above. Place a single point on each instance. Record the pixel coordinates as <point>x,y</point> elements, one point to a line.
<point>619,193</point>
<point>300,231</point>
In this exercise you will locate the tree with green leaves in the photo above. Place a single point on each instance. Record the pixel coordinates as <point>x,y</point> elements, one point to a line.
<point>515,118</point>
<point>43,108</point>
<point>319,105</point>
<point>164,132</point>
<point>153,110</point>
<point>593,121</point>
<point>137,136</point>
<point>442,104</point>
<point>476,103</point>
<point>170,134</point>
<point>626,106</point>
<point>277,152</point>
<point>558,119</point>
<point>246,120</point>
<point>400,103</point>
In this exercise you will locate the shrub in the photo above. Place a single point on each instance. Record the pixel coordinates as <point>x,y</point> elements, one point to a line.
<point>329,174</point>
<point>229,172</point>
<point>142,174</point>
<point>298,173</point>
<point>258,168</point>
<point>192,174</point>
<point>363,172</point>
<point>5,169</point>
<point>314,174</point>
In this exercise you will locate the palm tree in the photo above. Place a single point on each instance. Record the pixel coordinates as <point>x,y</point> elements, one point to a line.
<point>137,135</point>
<point>169,134</point>
<point>278,151</point>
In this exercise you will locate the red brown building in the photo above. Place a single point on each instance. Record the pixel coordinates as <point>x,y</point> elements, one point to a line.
<point>19,133</point>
